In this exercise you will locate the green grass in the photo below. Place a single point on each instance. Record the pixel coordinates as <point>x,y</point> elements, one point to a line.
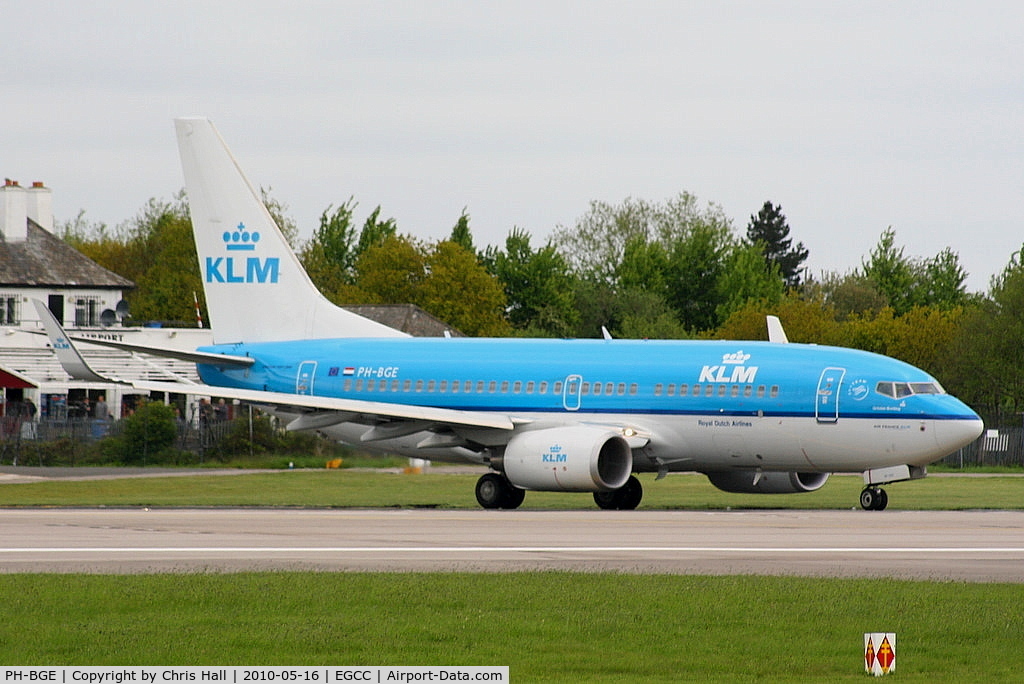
<point>344,488</point>
<point>544,626</point>
<point>559,627</point>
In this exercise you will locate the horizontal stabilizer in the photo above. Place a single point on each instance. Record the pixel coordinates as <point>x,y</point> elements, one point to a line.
<point>70,359</point>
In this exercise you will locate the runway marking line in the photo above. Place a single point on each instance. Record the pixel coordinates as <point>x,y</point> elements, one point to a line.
<point>509,549</point>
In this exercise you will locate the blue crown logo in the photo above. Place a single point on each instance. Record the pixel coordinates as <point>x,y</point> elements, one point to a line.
<point>240,239</point>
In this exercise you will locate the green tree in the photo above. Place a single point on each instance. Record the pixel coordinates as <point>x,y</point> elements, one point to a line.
<point>943,281</point>
<point>329,256</point>
<point>850,294</point>
<point>697,262</point>
<point>375,231</point>
<point>461,234</point>
<point>674,250</point>
<point>805,319</point>
<point>148,436</point>
<point>906,282</point>
<point>891,272</point>
<point>460,291</point>
<point>769,230</point>
<point>392,271</point>
<point>538,286</point>
<point>747,277</point>
<point>988,362</point>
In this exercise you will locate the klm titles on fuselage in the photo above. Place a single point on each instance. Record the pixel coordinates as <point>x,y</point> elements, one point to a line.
<point>250,269</point>
<point>732,370</point>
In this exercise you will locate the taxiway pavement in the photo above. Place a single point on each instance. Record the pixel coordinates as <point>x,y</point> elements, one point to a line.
<point>976,546</point>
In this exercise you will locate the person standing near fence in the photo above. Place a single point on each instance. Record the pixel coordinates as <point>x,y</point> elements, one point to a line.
<point>100,414</point>
<point>100,411</point>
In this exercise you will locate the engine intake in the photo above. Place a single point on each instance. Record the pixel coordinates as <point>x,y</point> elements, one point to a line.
<point>747,482</point>
<point>568,459</point>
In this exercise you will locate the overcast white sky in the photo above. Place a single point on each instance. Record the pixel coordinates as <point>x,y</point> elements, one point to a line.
<point>853,116</point>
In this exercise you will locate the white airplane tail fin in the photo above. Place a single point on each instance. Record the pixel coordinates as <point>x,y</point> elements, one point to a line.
<point>256,289</point>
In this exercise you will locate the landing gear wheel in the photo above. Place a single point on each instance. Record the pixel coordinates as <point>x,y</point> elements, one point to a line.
<point>495,491</point>
<point>625,498</point>
<point>873,499</point>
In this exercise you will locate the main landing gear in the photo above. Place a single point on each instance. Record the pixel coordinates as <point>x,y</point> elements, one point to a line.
<point>873,499</point>
<point>625,498</point>
<point>495,491</point>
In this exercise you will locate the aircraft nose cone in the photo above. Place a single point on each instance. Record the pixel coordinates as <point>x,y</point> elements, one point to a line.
<point>956,434</point>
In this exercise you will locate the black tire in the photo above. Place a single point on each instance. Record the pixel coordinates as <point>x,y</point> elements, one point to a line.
<point>631,494</point>
<point>515,497</point>
<point>625,498</point>
<point>607,500</point>
<point>495,491</point>
<point>873,499</point>
<point>490,490</point>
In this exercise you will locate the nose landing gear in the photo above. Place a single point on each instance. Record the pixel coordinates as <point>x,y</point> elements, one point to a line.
<point>873,499</point>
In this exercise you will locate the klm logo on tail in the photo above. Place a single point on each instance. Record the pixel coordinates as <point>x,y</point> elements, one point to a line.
<point>251,269</point>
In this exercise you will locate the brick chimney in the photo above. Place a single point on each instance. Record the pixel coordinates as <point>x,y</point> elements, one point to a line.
<point>13,212</point>
<point>39,205</point>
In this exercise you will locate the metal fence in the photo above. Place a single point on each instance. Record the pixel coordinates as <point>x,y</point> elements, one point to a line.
<point>17,433</point>
<point>995,447</point>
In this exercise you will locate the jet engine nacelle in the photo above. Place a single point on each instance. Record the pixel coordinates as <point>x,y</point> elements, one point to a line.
<point>747,482</point>
<point>568,459</point>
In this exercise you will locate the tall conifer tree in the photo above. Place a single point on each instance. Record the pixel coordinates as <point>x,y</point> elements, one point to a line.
<point>768,228</point>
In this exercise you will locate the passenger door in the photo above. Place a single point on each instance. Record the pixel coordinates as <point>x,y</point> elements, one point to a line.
<point>304,378</point>
<point>826,400</point>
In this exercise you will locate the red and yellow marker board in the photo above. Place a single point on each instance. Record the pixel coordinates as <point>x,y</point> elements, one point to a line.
<point>880,653</point>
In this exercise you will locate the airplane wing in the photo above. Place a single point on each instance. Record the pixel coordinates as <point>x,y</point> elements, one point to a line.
<point>318,411</point>
<point>314,411</point>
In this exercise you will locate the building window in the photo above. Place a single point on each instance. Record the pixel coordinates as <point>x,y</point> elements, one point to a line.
<point>86,312</point>
<point>9,314</point>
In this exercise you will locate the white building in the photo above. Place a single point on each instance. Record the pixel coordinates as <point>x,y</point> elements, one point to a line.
<point>85,297</point>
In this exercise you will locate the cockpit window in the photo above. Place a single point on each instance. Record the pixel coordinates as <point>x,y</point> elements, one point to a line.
<point>898,390</point>
<point>926,388</point>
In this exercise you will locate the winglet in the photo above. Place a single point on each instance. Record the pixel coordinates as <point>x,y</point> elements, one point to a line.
<point>775,331</point>
<point>67,354</point>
